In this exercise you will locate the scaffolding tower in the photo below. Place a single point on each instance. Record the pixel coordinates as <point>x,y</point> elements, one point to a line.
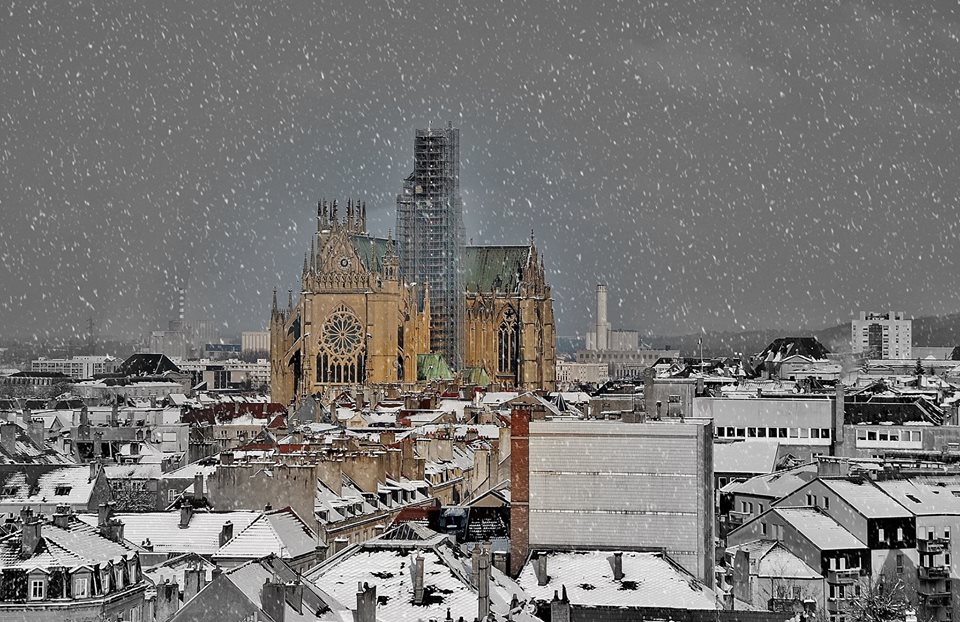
<point>430,235</point>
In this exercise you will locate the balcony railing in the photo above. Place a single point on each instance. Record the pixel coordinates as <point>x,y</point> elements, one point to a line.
<point>847,575</point>
<point>936,545</point>
<point>935,599</point>
<point>933,573</point>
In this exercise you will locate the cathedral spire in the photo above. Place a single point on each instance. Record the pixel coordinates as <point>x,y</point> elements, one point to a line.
<point>333,211</point>
<point>274,310</point>
<point>350,215</point>
<point>363,217</point>
<point>290,301</point>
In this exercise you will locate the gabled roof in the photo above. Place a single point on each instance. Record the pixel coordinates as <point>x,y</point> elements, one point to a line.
<point>278,532</point>
<point>146,365</point>
<point>489,268</point>
<point>770,559</point>
<point>432,367</point>
<point>371,250</point>
<point>784,347</point>
<point>866,499</point>
<point>77,545</point>
<point>922,498</point>
<point>820,529</point>
<point>650,580</point>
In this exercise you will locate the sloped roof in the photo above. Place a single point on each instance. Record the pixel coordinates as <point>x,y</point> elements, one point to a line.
<point>432,367</point>
<point>770,559</point>
<point>489,268</point>
<point>279,532</point>
<point>317,605</point>
<point>921,498</point>
<point>371,250</point>
<point>146,365</point>
<point>78,545</point>
<point>201,536</point>
<point>649,580</point>
<point>867,499</point>
<point>72,482</point>
<point>791,346</point>
<point>25,451</point>
<point>744,457</point>
<point>820,529</point>
<point>775,485</point>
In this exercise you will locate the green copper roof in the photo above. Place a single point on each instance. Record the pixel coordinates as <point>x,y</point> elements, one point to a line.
<point>486,268</point>
<point>432,367</point>
<point>476,376</point>
<point>371,250</point>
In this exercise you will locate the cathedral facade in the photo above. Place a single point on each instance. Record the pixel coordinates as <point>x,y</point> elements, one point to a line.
<point>357,322</point>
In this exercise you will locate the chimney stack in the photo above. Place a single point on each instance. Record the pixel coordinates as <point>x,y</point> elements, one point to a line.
<point>226,458</point>
<point>617,562</point>
<point>194,580</point>
<point>226,532</point>
<point>186,513</point>
<point>366,603</point>
<point>560,607</point>
<point>61,517</point>
<point>839,412</point>
<point>8,438</point>
<point>104,514</point>
<point>273,600</point>
<point>540,568</point>
<point>483,586</point>
<point>198,487</point>
<point>603,328</point>
<point>30,532</point>
<point>418,580</point>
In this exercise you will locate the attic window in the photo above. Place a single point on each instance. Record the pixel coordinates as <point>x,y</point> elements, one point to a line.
<point>912,498</point>
<point>61,491</point>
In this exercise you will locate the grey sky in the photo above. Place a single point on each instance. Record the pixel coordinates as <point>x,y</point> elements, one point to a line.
<point>750,164</point>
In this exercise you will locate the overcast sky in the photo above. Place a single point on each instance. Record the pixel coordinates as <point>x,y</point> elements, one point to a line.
<point>753,164</point>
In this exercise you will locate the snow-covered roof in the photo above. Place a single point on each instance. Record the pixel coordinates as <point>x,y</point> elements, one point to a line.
<point>162,529</point>
<point>649,580</point>
<point>278,532</point>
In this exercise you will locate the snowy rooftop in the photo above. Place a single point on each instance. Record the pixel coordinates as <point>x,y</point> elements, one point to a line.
<point>649,580</point>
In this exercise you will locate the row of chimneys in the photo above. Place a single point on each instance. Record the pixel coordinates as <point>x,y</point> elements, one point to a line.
<point>168,592</point>
<point>275,595</point>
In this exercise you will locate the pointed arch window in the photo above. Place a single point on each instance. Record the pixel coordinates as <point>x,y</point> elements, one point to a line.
<point>342,357</point>
<point>508,343</point>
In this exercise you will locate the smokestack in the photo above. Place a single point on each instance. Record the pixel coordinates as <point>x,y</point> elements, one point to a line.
<point>836,440</point>
<point>603,327</point>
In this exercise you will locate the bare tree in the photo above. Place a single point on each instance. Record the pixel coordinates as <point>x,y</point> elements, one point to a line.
<point>881,600</point>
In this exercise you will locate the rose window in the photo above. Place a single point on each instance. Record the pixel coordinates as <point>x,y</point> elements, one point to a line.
<point>342,333</point>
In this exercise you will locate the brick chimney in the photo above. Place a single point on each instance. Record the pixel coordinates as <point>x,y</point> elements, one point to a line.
<point>104,514</point>
<point>616,562</point>
<point>417,570</point>
<point>273,600</point>
<point>226,532</point>
<point>30,532</point>
<point>366,603</point>
<point>168,600</point>
<point>520,489</point>
<point>35,432</point>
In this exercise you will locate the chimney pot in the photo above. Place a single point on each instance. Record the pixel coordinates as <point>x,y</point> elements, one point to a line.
<point>186,513</point>
<point>418,580</point>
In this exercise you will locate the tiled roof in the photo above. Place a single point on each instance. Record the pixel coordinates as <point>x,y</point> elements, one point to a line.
<point>78,545</point>
<point>649,580</point>
<point>486,268</point>
<point>163,530</point>
<point>73,483</point>
<point>867,499</point>
<point>820,529</point>
<point>279,532</point>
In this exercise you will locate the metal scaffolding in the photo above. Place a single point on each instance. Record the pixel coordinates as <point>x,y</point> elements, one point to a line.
<point>430,235</point>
